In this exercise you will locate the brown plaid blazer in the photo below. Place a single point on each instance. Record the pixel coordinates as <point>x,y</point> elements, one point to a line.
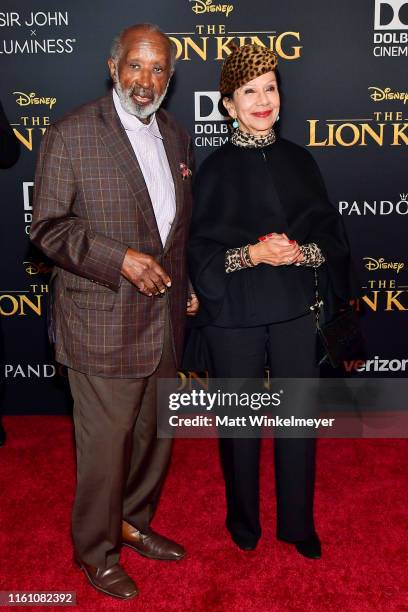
<point>90,204</point>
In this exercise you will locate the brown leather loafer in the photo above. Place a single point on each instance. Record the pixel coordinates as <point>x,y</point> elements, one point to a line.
<point>151,544</point>
<point>113,581</point>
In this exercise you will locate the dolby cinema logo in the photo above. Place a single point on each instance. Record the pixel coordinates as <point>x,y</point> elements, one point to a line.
<point>28,187</point>
<point>210,127</point>
<point>390,28</point>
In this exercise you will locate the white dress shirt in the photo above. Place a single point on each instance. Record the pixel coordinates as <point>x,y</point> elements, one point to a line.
<point>147,143</point>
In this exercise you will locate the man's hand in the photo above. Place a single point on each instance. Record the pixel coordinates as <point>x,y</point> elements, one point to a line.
<point>277,250</point>
<point>145,273</point>
<point>192,305</point>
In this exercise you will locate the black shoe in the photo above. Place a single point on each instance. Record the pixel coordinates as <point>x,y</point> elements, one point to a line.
<point>310,548</point>
<point>247,547</point>
<point>3,435</point>
<point>244,545</point>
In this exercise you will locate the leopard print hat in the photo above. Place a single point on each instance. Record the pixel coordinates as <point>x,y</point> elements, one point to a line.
<point>244,64</point>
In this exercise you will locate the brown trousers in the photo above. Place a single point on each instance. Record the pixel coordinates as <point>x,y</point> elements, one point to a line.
<point>121,464</point>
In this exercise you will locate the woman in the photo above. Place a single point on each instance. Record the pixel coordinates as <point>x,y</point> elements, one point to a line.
<point>261,223</point>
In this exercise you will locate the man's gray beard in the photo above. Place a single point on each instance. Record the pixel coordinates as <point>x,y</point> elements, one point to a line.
<point>138,110</point>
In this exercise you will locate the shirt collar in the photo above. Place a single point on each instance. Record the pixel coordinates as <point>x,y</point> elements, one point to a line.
<point>132,123</point>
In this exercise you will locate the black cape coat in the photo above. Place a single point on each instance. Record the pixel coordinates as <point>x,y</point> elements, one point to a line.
<point>243,193</point>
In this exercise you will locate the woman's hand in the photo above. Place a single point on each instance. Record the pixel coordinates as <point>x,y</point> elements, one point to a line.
<point>277,250</point>
<point>300,258</point>
<point>192,305</point>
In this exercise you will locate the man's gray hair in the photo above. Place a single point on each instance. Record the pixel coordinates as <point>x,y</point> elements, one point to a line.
<point>117,48</point>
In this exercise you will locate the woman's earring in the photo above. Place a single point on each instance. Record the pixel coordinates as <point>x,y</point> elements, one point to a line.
<point>277,118</point>
<point>235,124</point>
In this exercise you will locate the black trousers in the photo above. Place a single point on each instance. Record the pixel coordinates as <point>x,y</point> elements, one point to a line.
<point>240,353</point>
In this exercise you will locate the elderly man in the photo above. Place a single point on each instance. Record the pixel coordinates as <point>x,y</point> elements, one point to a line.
<point>112,207</point>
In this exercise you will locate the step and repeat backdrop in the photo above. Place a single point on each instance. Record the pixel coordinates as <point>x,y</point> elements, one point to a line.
<point>344,97</point>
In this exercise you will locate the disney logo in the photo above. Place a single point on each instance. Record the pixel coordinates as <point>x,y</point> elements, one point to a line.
<point>380,264</point>
<point>207,6</point>
<point>31,98</point>
<point>379,95</point>
<point>33,268</point>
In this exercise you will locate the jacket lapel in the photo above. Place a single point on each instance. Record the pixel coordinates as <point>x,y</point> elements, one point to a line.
<point>171,147</point>
<point>117,143</point>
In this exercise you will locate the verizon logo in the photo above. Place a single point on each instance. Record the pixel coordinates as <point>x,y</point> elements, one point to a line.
<point>376,365</point>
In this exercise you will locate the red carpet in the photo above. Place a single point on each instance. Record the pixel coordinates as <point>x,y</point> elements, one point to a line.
<point>361,515</point>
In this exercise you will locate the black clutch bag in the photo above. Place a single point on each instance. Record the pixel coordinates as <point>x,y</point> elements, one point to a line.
<point>196,357</point>
<point>340,338</point>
